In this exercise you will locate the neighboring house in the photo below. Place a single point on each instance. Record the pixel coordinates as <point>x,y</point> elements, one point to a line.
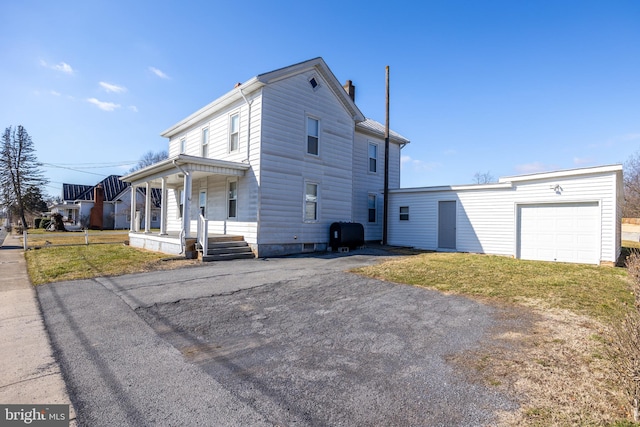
<point>276,160</point>
<point>78,200</point>
<point>567,216</point>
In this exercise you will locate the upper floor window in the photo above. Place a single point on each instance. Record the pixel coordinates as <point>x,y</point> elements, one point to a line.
<point>205,142</point>
<point>373,157</point>
<point>311,202</point>
<point>313,135</point>
<point>234,126</point>
<point>183,145</point>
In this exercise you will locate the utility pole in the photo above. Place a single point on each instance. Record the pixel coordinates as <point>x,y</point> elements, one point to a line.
<point>385,209</point>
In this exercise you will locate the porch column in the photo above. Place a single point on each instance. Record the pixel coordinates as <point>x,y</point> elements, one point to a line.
<point>186,208</point>
<point>147,209</point>
<point>133,208</point>
<point>163,207</point>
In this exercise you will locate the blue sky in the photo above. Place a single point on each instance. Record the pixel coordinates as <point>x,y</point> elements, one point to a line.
<point>509,87</point>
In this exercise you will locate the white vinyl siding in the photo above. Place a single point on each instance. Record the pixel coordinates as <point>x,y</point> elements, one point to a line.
<point>486,216</point>
<point>365,182</point>
<point>285,164</point>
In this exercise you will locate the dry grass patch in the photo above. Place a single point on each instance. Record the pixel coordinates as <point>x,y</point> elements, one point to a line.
<point>592,290</point>
<point>55,264</point>
<point>548,350</point>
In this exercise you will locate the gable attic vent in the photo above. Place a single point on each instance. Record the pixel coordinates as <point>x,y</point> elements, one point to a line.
<point>314,83</point>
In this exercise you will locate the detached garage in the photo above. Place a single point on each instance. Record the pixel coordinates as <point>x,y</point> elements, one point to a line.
<point>562,216</point>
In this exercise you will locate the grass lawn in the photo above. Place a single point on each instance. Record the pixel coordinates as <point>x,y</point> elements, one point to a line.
<point>55,264</point>
<point>548,348</point>
<point>40,237</point>
<point>600,292</point>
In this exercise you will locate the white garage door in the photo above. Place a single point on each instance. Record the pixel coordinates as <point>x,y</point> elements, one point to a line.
<point>564,232</point>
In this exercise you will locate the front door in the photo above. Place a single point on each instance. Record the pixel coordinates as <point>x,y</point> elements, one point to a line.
<point>447,224</point>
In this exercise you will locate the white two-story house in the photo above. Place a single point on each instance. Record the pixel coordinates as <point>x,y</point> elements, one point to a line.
<point>276,160</point>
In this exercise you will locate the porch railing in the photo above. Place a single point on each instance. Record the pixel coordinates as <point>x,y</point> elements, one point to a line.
<point>203,234</point>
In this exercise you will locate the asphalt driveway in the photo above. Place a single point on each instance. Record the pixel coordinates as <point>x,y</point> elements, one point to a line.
<point>286,341</point>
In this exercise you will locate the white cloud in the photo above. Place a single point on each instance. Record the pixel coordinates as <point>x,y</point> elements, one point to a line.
<point>133,108</point>
<point>158,73</point>
<point>582,160</point>
<point>418,165</point>
<point>112,88</point>
<point>532,167</point>
<point>54,93</point>
<point>106,106</point>
<point>450,152</point>
<point>62,67</point>
<point>630,137</point>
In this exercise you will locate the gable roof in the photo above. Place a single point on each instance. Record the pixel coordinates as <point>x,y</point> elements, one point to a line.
<point>111,185</point>
<point>74,191</point>
<point>264,79</point>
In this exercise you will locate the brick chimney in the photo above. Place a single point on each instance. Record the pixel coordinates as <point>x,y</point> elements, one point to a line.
<point>95,216</point>
<point>351,90</point>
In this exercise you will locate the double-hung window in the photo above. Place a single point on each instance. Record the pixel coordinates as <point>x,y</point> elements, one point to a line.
<point>202,202</point>
<point>404,213</point>
<point>372,207</point>
<point>234,127</point>
<point>313,136</point>
<point>311,202</point>
<point>205,142</point>
<point>232,199</point>
<point>373,157</point>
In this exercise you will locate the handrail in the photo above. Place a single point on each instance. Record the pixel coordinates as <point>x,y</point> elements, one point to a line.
<point>203,234</point>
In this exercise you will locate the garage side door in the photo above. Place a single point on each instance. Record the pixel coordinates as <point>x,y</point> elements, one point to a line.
<point>563,232</point>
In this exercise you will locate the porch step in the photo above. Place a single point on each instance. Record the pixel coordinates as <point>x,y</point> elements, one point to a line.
<point>227,248</point>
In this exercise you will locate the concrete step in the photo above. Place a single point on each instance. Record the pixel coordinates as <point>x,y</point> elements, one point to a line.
<point>232,244</point>
<point>229,250</point>
<point>228,256</point>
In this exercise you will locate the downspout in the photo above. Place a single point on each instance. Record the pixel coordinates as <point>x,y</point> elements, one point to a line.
<point>248,123</point>
<point>184,214</point>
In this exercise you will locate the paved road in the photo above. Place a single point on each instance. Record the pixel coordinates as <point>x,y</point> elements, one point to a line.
<point>267,342</point>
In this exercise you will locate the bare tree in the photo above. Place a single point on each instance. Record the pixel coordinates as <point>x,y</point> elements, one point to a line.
<point>483,178</point>
<point>148,159</point>
<point>19,170</point>
<point>631,207</point>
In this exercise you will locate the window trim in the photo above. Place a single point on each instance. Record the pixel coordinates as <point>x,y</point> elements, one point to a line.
<point>307,135</point>
<point>200,206</point>
<point>404,216</point>
<point>316,202</point>
<point>315,79</point>
<point>372,144</point>
<point>231,132</point>
<point>183,145</point>
<point>180,202</point>
<point>375,208</point>
<point>204,150</point>
<point>229,199</point>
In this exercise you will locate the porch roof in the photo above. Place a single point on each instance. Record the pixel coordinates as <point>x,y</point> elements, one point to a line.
<point>175,166</point>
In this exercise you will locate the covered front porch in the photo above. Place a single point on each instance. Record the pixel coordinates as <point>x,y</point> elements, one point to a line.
<point>187,225</point>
